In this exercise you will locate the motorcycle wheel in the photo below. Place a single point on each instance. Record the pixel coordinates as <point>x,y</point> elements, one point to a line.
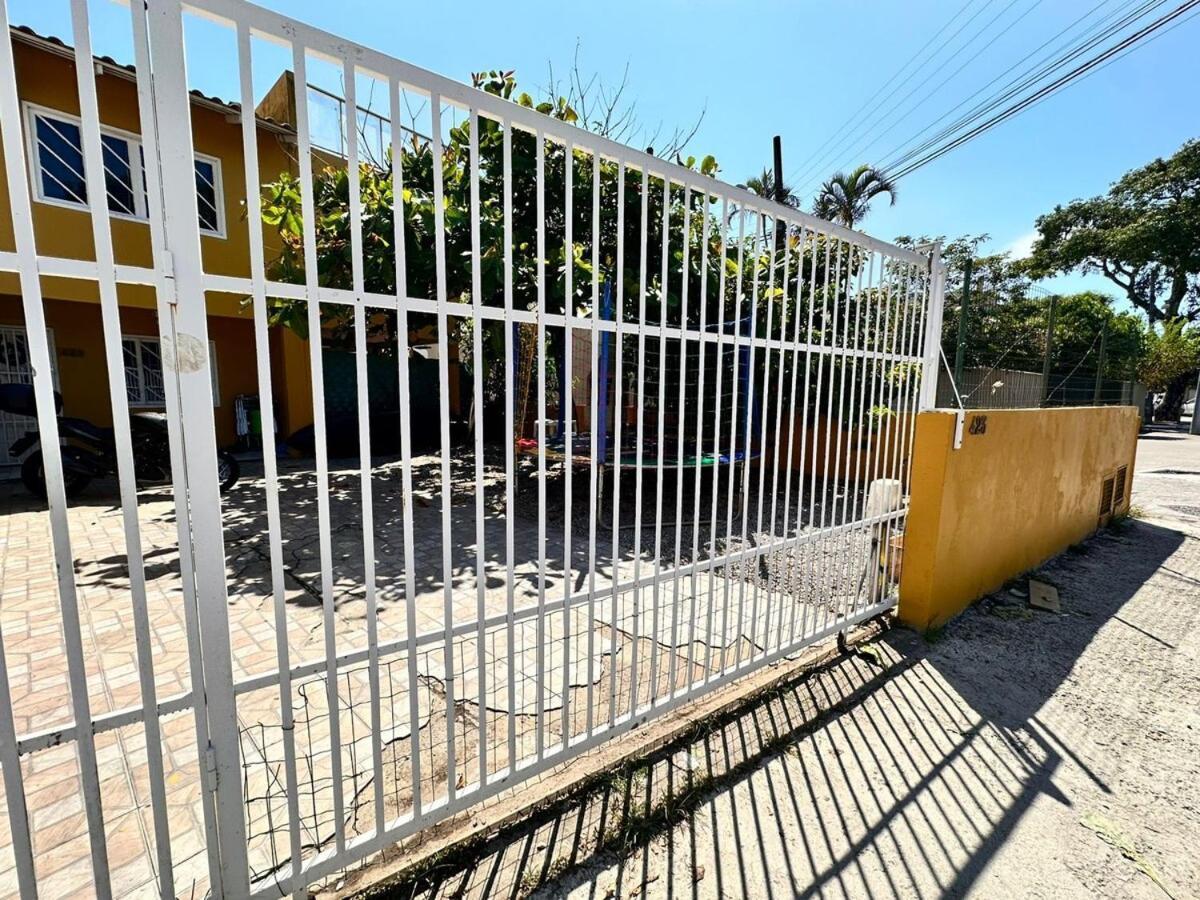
<point>228,469</point>
<point>33,475</point>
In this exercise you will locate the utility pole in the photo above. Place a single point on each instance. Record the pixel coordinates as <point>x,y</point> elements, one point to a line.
<point>1049,350</point>
<point>963,311</point>
<point>777,149</point>
<point>1100,365</point>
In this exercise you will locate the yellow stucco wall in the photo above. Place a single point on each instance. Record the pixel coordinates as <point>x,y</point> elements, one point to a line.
<point>83,376</point>
<point>48,80</point>
<point>1012,496</point>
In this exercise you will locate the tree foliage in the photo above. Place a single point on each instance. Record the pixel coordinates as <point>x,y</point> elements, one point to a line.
<point>1007,318</point>
<point>1171,355</point>
<point>1143,236</point>
<point>847,198</point>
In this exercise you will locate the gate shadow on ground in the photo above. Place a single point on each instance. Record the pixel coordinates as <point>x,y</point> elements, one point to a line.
<point>901,769</point>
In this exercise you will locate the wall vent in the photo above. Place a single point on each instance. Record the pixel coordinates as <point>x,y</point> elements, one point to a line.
<point>1106,500</point>
<point>1119,489</point>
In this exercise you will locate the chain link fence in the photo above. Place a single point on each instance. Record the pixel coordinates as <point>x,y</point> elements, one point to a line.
<point>1011,347</point>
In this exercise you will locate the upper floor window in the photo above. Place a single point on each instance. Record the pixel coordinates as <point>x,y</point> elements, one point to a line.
<point>57,152</point>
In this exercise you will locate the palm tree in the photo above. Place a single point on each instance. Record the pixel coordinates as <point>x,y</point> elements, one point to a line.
<point>846,199</point>
<point>764,186</point>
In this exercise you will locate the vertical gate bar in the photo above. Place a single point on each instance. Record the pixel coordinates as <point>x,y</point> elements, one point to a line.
<point>885,393</point>
<point>735,378</point>
<point>477,401</point>
<point>764,402</point>
<point>775,458</point>
<point>366,489</point>
<point>443,324</point>
<point>566,411</point>
<point>933,333</point>
<point>787,492</point>
<point>914,316</point>
<point>701,351</point>
<point>905,386</point>
<point>165,298</point>
<point>847,372</point>
<point>317,367</point>
<point>410,580</point>
<point>871,399</point>
<point>14,783</point>
<point>639,445</point>
<point>540,682</point>
<point>594,449</point>
<point>858,368</point>
<point>897,400</point>
<point>119,402</point>
<point>832,426</point>
<point>656,640</point>
<point>716,445</point>
<point>618,415</point>
<point>888,467</point>
<point>270,469</point>
<point>748,450</point>
<point>853,422</point>
<point>886,327</point>
<point>31,293</point>
<point>683,331</point>
<point>828,350</point>
<point>39,354</point>
<point>807,551</point>
<point>510,357</point>
<point>206,536</point>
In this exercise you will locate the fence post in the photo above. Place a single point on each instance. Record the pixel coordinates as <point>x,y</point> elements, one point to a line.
<point>186,371</point>
<point>1100,364</point>
<point>933,329</point>
<point>1049,350</point>
<point>964,311</point>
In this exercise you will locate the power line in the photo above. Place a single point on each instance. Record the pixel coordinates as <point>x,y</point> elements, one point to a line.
<point>854,117</point>
<point>899,111</point>
<point>1036,50</point>
<point>1016,85</point>
<point>1049,89</point>
<point>806,177</point>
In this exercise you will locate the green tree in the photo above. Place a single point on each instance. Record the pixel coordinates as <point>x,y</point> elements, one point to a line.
<point>847,198</point>
<point>1173,355</point>
<point>1143,236</point>
<point>753,265</point>
<point>763,184</point>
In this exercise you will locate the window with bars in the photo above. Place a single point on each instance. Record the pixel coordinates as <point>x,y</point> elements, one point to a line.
<point>144,371</point>
<point>56,145</point>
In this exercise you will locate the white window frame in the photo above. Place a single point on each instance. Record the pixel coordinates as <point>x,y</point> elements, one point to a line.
<point>155,339</point>
<point>136,167</point>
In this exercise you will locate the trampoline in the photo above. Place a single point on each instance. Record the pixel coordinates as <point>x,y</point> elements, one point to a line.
<point>712,403</point>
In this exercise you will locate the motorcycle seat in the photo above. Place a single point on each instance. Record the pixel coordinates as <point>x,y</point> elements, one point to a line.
<point>85,429</point>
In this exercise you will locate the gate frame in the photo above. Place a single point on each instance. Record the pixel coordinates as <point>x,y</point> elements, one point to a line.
<point>185,355</point>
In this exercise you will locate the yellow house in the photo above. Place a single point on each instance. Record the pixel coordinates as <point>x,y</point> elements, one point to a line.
<point>46,85</point>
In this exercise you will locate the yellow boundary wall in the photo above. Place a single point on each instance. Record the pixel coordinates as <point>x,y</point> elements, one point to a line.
<point>1024,485</point>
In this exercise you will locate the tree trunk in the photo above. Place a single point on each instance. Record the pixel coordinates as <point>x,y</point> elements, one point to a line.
<point>1173,399</point>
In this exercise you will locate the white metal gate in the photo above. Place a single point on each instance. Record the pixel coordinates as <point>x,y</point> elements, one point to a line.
<point>680,452</point>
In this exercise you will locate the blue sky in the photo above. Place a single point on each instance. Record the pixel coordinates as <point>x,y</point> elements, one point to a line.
<point>801,69</point>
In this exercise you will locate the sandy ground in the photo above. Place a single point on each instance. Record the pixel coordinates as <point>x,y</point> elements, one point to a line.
<point>1016,754</point>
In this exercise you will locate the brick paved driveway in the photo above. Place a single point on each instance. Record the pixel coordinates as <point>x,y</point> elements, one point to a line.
<point>588,650</point>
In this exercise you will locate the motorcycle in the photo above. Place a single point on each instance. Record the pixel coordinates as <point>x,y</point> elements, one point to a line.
<point>89,451</point>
